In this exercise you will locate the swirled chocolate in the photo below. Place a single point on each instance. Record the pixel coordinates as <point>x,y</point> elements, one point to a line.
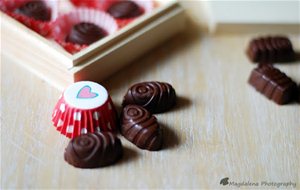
<point>36,10</point>
<point>124,9</point>
<point>156,97</point>
<point>270,50</point>
<point>93,150</point>
<point>85,34</point>
<point>141,128</point>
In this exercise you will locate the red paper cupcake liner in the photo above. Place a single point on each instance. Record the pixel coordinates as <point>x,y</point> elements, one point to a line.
<point>90,3</point>
<point>41,27</point>
<point>73,122</point>
<point>64,23</point>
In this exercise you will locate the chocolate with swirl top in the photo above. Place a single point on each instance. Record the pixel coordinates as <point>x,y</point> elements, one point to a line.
<point>35,9</point>
<point>141,128</point>
<point>124,9</point>
<point>93,150</point>
<point>85,34</point>
<point>156,97</point>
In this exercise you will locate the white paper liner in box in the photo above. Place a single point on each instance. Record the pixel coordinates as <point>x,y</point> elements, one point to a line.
<point>64,24</point>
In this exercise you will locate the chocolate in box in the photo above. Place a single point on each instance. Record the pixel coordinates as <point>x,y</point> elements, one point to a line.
<point>51,62</point>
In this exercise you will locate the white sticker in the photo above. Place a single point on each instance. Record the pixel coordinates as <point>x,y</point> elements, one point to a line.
<point>85,95</point>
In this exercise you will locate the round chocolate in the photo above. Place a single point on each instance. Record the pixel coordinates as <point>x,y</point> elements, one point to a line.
<point>85,33</point>
<point>156,97</point>
<point>141,128</point>
<point>35,9</point>
<point>124,9</point>
<point>93,150</point>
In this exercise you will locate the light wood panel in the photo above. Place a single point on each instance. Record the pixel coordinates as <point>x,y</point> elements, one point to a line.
<point>220,128</point>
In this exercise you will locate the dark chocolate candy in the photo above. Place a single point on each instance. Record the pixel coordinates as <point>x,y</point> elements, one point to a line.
<point>36,10</point>
<point>124,9</point>
<point>156,97</point>
<point>93,150</point>
<point>85,34</point>
<point>274,84</point>
<point>141,128</point>
<point>270,50</point>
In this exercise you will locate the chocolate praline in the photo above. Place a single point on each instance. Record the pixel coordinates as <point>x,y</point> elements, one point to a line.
<point>124,9</point>
<point>85,33</point>
<point>156,97</point>
<point>273,84</point>
<point>93,150</point>
<point>271,49</point>
<point>141,128</point>
<point>35,9</point>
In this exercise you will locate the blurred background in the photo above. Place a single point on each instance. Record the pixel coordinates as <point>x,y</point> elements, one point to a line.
<point>245,16</point>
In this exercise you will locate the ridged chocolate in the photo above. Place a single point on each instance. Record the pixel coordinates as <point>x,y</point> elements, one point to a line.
<point>93,150</point>
<point>156,97</point>
<point>124,9</point>
<point>271,49</point>
<point>273,83</point>
<point>36,10</point>
<point>85,34</point>
<point>141,128</point>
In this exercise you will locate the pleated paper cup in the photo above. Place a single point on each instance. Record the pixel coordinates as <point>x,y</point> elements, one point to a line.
<point>65,6</point>
<point>84,107</point>
<point>42,27</point>
<point>64,24</point>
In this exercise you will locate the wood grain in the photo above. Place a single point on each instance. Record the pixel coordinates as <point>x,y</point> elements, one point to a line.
<point>220,128</point>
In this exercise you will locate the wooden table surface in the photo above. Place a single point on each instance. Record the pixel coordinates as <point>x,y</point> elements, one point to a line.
<point>220,128</point>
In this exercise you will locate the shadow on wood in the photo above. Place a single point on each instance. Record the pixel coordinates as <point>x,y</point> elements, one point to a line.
<point>297,56</point>
<point>181,103</point>
<point>119,109</point>
<point>170,138</point>
<point>128,155</point>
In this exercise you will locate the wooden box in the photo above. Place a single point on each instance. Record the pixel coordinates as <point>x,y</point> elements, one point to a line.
<point>52,63</point>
